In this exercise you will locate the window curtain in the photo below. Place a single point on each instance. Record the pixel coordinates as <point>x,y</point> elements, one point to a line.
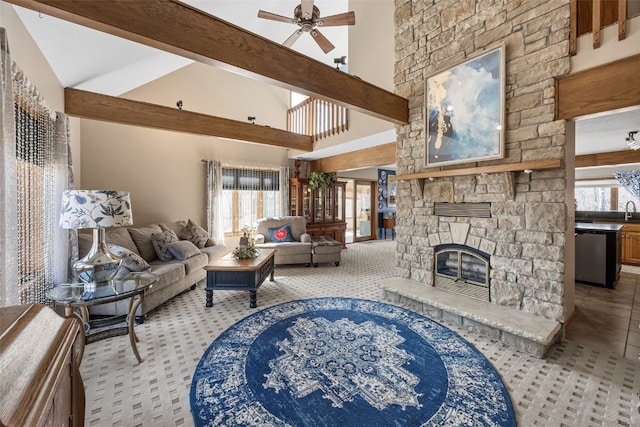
<point>283,195</point>
<point>214,201</point>
<point>39,170</point>
<point>630,180</point>
<point>65,241</point>
<point>9,278</point>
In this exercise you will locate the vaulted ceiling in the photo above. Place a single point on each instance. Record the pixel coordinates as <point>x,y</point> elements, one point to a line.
<point>96,61</point>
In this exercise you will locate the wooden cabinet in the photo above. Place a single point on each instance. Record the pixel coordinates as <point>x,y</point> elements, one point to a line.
<point>40,358</point>
<point>322,208</point>
<point>631,244</point>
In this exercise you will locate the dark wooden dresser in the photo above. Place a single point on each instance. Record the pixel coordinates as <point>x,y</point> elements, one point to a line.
<point>40,382</point>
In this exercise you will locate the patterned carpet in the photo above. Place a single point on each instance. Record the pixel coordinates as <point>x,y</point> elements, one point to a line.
<point>574,386</point>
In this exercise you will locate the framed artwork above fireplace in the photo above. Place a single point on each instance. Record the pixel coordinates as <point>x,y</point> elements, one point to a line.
<point>465,110</point>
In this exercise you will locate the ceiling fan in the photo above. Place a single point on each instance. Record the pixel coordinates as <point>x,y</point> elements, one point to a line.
<point>307,16</point>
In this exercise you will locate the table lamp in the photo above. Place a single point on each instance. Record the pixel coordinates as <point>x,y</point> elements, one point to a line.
<point>96,209</point>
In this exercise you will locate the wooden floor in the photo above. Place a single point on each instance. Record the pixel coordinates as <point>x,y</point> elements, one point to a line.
<point>609,319</point>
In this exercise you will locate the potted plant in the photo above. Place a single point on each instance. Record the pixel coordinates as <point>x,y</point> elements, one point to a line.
<point>321,179</point>
<point>246,248</point>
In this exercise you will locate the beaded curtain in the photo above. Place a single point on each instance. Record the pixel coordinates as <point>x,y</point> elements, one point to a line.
<point>42,171</point>
<point>8,217</point>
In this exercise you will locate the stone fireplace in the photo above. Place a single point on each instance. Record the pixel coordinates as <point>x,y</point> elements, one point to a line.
<point>527,231</point>
<point>521,240</point>
<point>524,219</point>
<point>499,275</point>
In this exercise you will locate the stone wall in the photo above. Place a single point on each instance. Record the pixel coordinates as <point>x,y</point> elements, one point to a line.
<point>525,234</point>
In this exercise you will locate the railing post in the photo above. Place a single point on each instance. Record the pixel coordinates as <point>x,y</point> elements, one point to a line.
<point>317,118</point>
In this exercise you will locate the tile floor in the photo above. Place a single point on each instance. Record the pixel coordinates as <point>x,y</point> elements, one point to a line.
<point>609,319</point>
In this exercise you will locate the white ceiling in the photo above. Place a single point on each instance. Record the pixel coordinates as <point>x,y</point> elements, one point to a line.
<point>606,132</point>
<point>91,60</point>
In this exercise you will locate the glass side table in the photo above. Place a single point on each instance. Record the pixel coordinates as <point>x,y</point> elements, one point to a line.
<point>132,287</point>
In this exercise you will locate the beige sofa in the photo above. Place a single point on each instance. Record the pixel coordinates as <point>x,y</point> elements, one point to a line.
<point>296,251</point>
<point>175,275</point>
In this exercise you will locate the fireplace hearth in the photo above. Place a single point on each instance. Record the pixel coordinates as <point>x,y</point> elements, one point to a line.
<point>463,270</point>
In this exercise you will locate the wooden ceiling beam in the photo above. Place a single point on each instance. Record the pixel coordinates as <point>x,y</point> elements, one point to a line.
<point>178,28</point>
<point>379,155</point>
<point>599,89</point>
<point>94,106</point>
<point>608,159</point>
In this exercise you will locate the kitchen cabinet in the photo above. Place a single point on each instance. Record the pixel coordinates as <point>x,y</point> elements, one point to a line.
<point>40,357</point>
<point>631,244</point>
<point>322,208</point>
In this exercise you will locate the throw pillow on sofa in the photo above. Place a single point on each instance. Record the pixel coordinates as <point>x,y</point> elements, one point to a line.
<point>183,249</point>
<point>175,226</point>
<point>160,244</point>
<point>130,260</point>
<point>195,234</point>
<point>141,236</point>
<point>281,234</point>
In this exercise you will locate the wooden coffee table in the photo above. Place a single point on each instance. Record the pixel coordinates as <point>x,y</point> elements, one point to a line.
<point>229,273</point>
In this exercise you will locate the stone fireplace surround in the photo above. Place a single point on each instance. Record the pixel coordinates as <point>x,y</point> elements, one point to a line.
<point>529,232</point>
<point>523,243</point>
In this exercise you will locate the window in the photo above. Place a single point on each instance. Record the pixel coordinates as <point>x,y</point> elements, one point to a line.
<point>605,196</point>
<point>248,195</point>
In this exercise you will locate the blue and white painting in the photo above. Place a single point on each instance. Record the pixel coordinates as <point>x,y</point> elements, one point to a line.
<point>465,111</point>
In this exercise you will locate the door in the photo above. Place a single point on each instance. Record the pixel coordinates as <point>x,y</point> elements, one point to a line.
<point>363,210</point>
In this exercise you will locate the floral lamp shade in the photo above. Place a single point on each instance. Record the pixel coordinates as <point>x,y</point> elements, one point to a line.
<point>95,209</point>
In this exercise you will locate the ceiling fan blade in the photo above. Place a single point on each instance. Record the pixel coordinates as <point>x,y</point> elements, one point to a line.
<point>347,18</point>
<point>322,41</point>
<point>275,17</point>
<point>292,38</point>
<point>307,9</point>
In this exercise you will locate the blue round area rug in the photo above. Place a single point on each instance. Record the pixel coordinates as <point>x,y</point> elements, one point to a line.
<point>345,362</point>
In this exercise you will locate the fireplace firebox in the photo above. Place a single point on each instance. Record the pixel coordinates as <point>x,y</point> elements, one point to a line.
<point>462,269</point>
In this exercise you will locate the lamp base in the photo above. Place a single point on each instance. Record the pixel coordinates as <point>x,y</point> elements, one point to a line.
<point>99,266</point>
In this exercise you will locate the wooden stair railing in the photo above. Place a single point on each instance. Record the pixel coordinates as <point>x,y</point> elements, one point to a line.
<point>591,16</point>
<point>317,118</point>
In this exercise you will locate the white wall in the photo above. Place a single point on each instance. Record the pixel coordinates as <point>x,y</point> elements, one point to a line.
<point>163,170</point>
<point>26,54</point>
<point>371,53</point>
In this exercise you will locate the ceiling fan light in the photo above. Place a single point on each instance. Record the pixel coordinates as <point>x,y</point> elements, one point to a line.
<point>306,15</point>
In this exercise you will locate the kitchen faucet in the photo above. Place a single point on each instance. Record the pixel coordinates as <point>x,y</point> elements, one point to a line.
<point>628,214</point>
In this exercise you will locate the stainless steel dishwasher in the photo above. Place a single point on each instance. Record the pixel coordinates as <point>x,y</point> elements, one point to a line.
<point>591,257</point>
<point>598,251</point>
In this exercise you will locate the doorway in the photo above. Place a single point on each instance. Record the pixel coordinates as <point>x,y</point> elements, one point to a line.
<point>359,210</point>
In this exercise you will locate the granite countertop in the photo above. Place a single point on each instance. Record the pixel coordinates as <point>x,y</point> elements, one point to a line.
<point>598,227</point>
<point>607,216</point>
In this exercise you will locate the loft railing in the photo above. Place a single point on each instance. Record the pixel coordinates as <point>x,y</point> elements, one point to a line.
<point>591,16</point>
<point>317,118</point>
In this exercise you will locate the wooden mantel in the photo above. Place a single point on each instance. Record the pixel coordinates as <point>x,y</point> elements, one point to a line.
<point>504,167</point>
<point>507,169</point>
